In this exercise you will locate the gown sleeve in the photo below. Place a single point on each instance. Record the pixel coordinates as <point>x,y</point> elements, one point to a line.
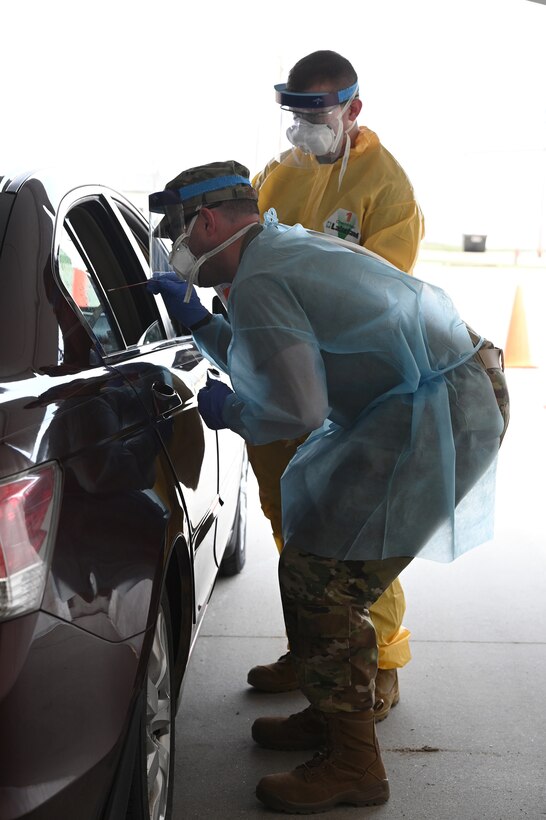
<point>213,340</point>
<point>275,365</point>
<point>394,231</point>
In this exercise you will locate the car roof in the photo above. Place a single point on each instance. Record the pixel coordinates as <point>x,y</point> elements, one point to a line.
<point>55,182</point>
<point>11,182</point>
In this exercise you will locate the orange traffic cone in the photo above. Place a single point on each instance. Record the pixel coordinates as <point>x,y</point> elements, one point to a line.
<point>516,349</point>
<point>79,288</point>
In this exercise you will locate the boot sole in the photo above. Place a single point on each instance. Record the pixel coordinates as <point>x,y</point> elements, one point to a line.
<point>375,797</point>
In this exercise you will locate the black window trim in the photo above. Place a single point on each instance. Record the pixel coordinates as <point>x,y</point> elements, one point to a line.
<point>107,198</point>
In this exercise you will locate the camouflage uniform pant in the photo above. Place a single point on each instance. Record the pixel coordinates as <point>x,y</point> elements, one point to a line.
<point>331,635</point>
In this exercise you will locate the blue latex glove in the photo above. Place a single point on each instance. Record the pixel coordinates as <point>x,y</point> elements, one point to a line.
<point>211,400</point>
<point>173,290</point>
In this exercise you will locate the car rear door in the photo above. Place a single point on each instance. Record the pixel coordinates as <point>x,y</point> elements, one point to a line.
<point>230,446</point>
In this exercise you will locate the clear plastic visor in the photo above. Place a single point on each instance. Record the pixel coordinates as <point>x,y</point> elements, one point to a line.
<point>311,132</point>
<point>167,214</point>
<point>160,246</point>
<point>167,222</point>
<point>326,116</point>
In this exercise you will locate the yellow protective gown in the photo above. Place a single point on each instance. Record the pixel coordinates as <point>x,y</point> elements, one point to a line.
<point>374,206</point>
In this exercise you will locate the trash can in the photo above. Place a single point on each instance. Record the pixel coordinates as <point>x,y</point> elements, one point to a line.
<point>474,241</point>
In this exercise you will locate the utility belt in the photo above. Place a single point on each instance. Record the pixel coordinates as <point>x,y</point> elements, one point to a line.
<point>491,358</point>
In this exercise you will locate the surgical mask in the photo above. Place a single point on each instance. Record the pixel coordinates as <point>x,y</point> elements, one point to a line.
<point>186,264</point>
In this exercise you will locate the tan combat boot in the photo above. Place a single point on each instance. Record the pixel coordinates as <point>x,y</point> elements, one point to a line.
<point>303,730</point>
<point>275,677</point>
<point>351,771</point>
<point>387,693</point>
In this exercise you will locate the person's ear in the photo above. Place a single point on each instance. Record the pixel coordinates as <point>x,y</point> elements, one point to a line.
<point>355,108</point>
<point>209,218</point>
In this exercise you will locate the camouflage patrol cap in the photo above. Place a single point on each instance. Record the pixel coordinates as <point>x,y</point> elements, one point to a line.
<point>212,183</point>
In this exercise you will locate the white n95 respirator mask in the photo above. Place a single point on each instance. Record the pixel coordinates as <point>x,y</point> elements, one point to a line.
<point>318,139</point>
<point>181,258</point>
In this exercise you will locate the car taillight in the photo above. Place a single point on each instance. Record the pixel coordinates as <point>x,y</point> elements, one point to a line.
<point>29,505</point>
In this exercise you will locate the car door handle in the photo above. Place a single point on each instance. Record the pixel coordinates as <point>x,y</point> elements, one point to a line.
<point>165,398</point>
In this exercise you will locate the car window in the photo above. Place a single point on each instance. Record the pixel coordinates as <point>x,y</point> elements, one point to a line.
<point>78,281</point>
<point>139,229</point>
<point>137,226</point>
<point>115,302</point>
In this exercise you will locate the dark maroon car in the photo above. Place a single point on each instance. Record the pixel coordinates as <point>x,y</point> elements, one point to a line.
<point>118,507</point>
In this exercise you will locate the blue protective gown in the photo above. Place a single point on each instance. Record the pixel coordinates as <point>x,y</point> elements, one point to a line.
<point>380,365</point>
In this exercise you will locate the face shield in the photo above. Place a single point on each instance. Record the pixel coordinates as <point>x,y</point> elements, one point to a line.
<point>169,224</point>
<point>312,123</point>
<point>173,213</point>
<point>315,149</point>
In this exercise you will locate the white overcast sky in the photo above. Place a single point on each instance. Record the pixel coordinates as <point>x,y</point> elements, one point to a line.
<point>133,93</point>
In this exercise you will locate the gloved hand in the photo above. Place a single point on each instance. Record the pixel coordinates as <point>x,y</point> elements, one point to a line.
<point>173,290</point>
<point>211,400</point>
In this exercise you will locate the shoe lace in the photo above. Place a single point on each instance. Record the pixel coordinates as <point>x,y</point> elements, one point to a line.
<point>310,768</point>
<point>316,761</point>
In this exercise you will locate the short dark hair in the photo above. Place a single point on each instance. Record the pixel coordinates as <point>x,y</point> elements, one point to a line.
<point>321,67</point>
<point>233,209</point>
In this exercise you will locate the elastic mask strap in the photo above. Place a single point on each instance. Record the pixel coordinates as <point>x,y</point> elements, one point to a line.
<point>345,159</point>
<point>185,233</point>
<point>192,278</point>
<point>340,116</point>
<point>347,149</point>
